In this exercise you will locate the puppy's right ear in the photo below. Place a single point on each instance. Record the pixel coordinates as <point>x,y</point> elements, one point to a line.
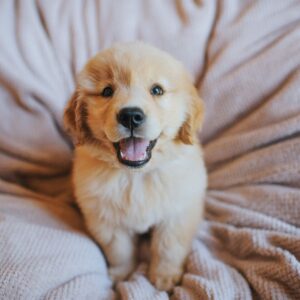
<point>70,118</point>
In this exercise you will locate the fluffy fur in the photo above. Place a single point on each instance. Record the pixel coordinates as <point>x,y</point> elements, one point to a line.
<point>166,194</point>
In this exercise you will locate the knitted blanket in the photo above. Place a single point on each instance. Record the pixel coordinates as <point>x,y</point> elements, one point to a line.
<point>245,58</point>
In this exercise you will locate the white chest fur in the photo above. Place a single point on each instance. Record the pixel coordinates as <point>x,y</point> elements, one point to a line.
<point>134,199</point>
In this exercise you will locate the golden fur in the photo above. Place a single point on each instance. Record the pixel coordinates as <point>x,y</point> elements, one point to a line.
<point>167,193</point>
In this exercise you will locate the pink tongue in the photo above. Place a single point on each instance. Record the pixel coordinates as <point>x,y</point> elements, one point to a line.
<point>134,149</point>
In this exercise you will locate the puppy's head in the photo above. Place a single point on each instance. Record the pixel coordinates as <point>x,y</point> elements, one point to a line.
<point>132,105</point>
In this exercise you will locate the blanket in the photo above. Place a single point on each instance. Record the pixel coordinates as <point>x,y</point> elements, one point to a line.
<point>245,59</point>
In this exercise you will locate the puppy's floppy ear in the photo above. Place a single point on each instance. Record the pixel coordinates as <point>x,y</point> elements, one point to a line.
<point>75,115</point>
<point>194,119</point>
<point>70,116</point>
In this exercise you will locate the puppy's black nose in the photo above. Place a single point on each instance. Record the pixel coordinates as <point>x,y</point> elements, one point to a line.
<point>131,117</point>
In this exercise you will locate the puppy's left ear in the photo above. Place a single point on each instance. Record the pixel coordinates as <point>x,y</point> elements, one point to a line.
<point>194,119</point>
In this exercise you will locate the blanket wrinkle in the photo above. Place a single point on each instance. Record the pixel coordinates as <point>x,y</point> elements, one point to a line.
<point>244,57</point>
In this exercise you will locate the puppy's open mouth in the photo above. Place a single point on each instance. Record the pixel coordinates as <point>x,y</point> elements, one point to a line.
<point>133,151</point>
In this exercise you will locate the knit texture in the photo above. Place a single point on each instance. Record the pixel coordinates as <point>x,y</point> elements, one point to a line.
<point>245,58</point>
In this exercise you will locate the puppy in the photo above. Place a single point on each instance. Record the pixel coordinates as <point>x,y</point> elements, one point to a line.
<point>138,165</point>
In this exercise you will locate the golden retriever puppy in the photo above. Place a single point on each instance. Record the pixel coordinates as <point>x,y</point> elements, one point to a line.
<point>138,165</point>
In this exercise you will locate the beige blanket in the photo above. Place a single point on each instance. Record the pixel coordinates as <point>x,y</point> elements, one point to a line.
<point>245,57</point>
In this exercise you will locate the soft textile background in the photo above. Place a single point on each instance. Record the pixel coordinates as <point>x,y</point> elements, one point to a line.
<point>245,58</point>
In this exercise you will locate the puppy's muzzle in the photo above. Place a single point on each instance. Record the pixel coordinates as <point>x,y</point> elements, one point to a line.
<point>131,117</point>
<point>133,151</point>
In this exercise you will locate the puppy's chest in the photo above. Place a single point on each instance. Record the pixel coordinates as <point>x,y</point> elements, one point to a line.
<point>136,202</point>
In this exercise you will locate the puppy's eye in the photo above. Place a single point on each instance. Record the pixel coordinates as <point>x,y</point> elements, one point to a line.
<point>107,92</point>
<point>157,90</point>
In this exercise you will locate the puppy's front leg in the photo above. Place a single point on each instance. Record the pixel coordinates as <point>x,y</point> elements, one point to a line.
<point>170,246</point>
<point>119,247</point>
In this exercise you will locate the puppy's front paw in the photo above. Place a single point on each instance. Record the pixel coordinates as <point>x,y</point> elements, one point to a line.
<point>165,280</point>
<point>120,272</point>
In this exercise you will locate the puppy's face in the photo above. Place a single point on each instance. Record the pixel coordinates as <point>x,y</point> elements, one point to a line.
<point>132,105</point>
